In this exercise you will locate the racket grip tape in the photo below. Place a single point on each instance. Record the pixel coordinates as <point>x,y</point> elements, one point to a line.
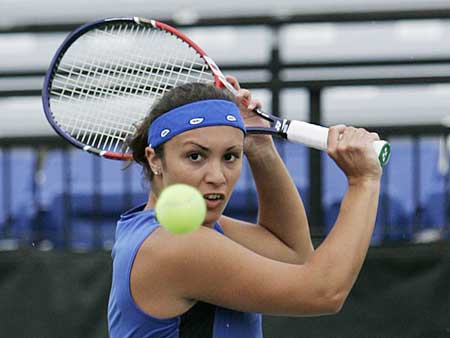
<point>315,136</point>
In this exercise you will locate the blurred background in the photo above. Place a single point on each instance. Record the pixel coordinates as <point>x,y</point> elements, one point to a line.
<point>383,65</point>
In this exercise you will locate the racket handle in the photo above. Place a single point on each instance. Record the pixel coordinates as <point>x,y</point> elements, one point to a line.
<point>315,136</point>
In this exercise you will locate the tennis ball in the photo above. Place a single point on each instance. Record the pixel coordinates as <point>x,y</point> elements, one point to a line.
<point>180,208</point>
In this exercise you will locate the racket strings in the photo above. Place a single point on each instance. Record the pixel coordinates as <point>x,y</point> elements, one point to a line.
<point>98,89</point>
<point>79,116</point>
<point>104,131</point>
<point>65,76</point>
<point>107,133</point>
<point>138,67</point>
<point>85,124</point>
<point>101,89</point>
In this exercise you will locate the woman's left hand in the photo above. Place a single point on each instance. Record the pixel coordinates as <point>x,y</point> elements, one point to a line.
<point>254,143</point>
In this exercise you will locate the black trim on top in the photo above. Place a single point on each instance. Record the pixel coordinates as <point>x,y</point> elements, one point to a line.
<point>198,322</point>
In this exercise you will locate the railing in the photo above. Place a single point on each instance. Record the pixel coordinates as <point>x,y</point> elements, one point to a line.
<point>276,83</point>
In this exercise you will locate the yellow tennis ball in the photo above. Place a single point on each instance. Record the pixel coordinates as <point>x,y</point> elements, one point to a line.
<point>180,208</point>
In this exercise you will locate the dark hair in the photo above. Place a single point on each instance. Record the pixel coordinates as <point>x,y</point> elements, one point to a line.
<point>178,96</point>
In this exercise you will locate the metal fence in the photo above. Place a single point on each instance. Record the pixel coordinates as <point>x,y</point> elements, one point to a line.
<point>34,218</point>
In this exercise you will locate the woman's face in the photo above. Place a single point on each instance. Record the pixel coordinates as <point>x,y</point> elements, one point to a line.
<point>209,159</point>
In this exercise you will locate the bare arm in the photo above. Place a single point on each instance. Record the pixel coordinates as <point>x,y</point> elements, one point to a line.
<point>282,231</point>
<point>281,209</point>
<point>350,237</point>
<point>281,212</point>
<point>207,266</point>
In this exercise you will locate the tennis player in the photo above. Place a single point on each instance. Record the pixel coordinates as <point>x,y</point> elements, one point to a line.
<point>216,281</point>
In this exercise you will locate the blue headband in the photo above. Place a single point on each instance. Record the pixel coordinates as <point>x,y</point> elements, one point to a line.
<point>198,114</point>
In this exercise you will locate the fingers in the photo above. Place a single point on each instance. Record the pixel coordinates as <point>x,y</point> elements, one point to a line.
<point>353,137</point>
<point>352,150</point>
<point>334,136</point>
<point>343,135</point>
<point>244,97</point>
<point>375,136</point>
<point>349,141</point>
<point>254,104</point>
<point>233,81</point>
<point>353,140</point>
<point>246,101</point>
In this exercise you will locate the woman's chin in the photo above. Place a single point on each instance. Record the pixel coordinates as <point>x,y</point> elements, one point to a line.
<point>212,216</point>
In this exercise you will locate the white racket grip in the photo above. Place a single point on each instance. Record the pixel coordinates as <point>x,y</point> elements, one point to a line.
<point>315,136</point>
<point>310,135</point>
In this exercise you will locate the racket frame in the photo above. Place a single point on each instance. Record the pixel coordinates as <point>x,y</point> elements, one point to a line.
<point>68,41</point>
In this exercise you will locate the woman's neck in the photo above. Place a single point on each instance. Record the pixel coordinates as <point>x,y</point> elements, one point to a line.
<point>151,201</point>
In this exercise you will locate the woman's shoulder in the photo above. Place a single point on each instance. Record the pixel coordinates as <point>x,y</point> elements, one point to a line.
<point>162,253</point>
<point>153,275</point>
<point>135,221</point>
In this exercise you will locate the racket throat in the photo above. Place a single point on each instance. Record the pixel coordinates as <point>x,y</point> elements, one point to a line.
<point>279,129</point>
<point>282,127</point>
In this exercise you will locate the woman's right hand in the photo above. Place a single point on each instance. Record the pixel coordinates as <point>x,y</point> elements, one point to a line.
<point>352,150</point>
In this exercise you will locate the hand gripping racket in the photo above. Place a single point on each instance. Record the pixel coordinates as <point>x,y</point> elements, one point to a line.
<point>106,75</point>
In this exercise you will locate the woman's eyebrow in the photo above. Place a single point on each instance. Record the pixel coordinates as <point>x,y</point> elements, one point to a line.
<point>237,146</point>
<point>204,148</point>
<point>197,145</point>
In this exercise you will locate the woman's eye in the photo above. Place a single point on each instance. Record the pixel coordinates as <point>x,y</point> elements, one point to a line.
<point>195,157</point>
<point>230,157</point>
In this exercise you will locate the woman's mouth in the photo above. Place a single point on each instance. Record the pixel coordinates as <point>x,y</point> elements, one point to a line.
<point>213,200</point>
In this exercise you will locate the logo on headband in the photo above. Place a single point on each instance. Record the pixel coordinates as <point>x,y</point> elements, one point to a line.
<point>197,120</point>
<point>165,132</point>
<point>231,118</point>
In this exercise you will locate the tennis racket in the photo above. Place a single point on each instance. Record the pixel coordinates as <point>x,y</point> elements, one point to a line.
<point>106,75</point>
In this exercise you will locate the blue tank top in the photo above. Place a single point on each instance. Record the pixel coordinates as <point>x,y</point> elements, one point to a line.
<point>126,319</point>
